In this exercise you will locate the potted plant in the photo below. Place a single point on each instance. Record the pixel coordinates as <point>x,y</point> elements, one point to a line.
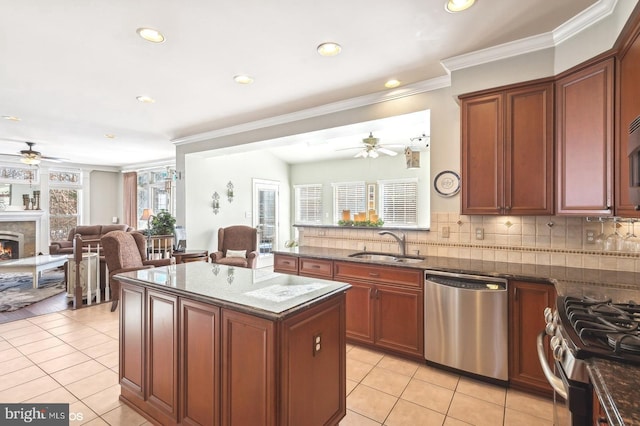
<point>163,224</point>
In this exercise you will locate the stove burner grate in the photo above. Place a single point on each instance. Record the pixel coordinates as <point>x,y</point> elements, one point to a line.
<point>624,343</point>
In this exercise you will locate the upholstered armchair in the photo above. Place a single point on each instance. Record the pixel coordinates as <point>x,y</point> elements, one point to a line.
<point>237,246</point>
<point>125,252</point>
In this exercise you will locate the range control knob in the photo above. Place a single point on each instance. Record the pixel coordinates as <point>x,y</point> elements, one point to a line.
<point>556,348</point>
<point>550,329</point>
<point>548,315</point>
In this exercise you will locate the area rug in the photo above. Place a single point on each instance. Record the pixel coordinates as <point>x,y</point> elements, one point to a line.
<point>16,290</point>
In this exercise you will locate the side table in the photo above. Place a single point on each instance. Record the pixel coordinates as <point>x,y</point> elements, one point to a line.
<point>191,256</point>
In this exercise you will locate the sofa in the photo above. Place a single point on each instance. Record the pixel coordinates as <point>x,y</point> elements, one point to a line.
<point>88,233</point>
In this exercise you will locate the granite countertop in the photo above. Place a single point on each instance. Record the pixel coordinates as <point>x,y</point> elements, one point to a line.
<point>615,383</point>
<point>257,292</point>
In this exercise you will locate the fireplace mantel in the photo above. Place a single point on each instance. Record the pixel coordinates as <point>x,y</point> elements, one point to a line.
<point>19,216</point>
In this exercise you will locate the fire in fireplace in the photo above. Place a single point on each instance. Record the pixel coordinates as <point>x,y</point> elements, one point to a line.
<point>11,245</point>
<point>7,250</point>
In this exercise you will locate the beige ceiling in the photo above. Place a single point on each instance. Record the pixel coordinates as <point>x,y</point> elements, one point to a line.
<point>71,69</point>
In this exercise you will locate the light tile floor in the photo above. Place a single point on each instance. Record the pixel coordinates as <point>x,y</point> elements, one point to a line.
<point>72,356</point>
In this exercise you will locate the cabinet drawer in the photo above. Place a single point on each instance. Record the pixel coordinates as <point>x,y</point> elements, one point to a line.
<point>380,274</point>
<point>316,268</point>
<point>286,264</point>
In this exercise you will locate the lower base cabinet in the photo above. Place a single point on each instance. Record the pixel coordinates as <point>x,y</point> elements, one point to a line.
<point>527,302</point>
<point>385,307</point>
<point>185,362</point>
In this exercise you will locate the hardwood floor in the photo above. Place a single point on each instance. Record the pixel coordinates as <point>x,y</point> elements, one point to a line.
<point>55,303</point>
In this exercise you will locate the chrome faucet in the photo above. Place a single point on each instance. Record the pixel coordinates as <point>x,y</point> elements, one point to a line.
<point>399,238</point>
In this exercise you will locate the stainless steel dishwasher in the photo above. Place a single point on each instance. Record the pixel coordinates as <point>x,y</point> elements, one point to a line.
<point>466,323</point>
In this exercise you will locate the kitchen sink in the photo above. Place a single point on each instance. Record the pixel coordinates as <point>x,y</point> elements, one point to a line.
<point>384,257</point>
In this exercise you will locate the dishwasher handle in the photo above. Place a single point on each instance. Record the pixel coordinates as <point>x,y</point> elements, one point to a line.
<point>468,284</point>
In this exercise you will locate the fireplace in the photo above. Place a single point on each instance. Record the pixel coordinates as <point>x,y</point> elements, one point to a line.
<point>11,245</point>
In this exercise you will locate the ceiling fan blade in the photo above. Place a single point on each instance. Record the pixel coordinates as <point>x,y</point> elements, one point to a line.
<point>362,154</point>
<point>53,159</point>
<point>387,151</point>
<point>345,149</point>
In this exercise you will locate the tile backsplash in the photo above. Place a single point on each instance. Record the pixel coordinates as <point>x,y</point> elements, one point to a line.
<point>542,240</point>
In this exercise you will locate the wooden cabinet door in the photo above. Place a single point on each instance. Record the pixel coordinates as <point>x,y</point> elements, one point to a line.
<point>313,366</point>
<point>482,149</point>
<point>584,152</point>
<point>399,319</point>
<point>360,312</point>
<point>132,342</point>
<point>528,183</point>
<point>629,102</point>
<point>200,363</point>
<point>527,302</point>
<point>162,354</point>
<point>248,370</point>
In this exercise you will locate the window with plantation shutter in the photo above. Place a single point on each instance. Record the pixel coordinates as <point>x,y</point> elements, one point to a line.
<point>308,204</point>
<point>399,202</point>
<point>348,196</point>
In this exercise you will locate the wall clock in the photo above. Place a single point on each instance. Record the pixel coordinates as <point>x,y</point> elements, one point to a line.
<point>447,183</point>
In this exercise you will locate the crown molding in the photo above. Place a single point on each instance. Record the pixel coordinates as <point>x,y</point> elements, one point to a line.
<point>573,26</point>
<point>347,104</point>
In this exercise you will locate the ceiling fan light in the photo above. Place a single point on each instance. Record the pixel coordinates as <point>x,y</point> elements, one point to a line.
<point>32,161</point>
<point>373,154</point>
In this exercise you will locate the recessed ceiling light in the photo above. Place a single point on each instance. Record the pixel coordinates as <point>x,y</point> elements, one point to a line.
<point>149,34</point>
<point>145,99</point>
<point>11,118</point>
<point>329,49</point>
<point>109,136</point>
<point>243,79</point>
<point>458,5</point>
<point>390,84</point>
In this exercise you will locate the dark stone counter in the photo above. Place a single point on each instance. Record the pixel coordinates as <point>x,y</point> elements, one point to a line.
<point>616,383</point>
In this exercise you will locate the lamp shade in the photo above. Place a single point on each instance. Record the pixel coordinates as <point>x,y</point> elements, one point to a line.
<point>146,214</point>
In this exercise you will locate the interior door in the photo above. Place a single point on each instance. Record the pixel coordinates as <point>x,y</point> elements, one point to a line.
<point>265,218</point>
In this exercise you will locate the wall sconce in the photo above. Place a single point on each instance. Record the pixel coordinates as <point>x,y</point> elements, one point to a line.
<point>216,203</point>
<point>230,191</point>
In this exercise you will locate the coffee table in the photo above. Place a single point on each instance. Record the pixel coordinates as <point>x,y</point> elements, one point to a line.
<point>35,265</point>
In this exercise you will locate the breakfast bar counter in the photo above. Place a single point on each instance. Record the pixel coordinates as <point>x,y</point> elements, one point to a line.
<point>212,344</point>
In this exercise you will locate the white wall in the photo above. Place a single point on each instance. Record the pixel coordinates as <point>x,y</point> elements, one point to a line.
<point>105,197</point>
<point>206,175</point>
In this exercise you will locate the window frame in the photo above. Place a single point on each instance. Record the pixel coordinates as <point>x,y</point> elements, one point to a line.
<point>383,201</point>
<point>298,220</point>
<point>338,207</point>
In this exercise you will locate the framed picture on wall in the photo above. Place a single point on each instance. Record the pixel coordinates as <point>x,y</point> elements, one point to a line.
<point>5,194</point>
<point>371,196</point>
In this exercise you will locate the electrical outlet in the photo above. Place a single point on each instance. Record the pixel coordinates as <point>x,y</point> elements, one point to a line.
<point>322,233</point>
<point>479,233</point>
<point>591,236</point>
<point>317,343</point>
<point>445,232</point>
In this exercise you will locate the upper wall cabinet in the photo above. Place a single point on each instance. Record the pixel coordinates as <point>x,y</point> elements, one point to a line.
<point>507,151</point>
<point>584,141</point>
<point>629,109</point>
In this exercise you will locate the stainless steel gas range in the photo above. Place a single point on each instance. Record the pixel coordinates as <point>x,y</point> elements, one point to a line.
<point>581,328</point>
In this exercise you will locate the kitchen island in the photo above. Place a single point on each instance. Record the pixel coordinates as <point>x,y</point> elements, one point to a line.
<point>212,344</point>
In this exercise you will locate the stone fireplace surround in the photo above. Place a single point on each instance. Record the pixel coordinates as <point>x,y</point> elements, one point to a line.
<point>26,223</point>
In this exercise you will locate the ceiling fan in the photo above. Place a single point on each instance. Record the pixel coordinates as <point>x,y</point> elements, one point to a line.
<point>32,157</point>
<point>372,148</point>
